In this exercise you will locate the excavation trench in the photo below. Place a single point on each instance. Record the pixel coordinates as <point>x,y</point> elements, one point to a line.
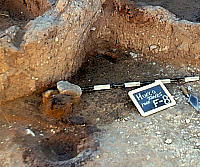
<point>42,42</point>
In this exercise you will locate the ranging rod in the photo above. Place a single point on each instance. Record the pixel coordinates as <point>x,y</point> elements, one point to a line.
<point>138,83</point>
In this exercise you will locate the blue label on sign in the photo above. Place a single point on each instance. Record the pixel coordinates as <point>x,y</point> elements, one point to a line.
<point>152,98</point>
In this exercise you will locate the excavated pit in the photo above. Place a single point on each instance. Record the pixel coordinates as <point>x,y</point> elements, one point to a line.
<point>71,147</point>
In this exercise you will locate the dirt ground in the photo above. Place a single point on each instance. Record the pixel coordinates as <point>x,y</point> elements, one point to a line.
<point>105,129</point>
<point>187,10</point>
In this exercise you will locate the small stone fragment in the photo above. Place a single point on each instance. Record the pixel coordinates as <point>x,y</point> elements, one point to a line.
<point>30,132</point>
<point>198,144</point>
<point>187,121</point>
<point>148,157</point>
<point>152,47</point>
<point>53,131</point>
<point>12,31</point>
<point>189,88</point>
<point>67,88</point>
<point>168,141</point>
<point>158,133</point>
<point>133,55</point>
<point>93,29</point>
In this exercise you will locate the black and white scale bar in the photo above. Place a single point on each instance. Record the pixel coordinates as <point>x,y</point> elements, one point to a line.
<point>138,83</point>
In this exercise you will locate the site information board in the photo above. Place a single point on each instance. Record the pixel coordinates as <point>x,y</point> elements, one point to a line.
<point>151,98</point>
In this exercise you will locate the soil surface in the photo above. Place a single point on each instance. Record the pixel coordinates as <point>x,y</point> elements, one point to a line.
<point>107,122</point>
<point>183,9</point>
<point>105,129</point>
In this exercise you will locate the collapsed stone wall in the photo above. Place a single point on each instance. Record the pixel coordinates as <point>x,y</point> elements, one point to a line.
<point>54,45</point>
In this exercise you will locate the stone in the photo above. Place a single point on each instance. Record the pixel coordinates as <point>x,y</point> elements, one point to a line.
<point>93,29</point>
<point>12,31</point>
<point>187,121</point>
<point>152,47</point>
<point>30,132</point>
<point>133,55</point>
<point>168,141</point>
<point>197,144</point>
<point>68,88</point>
<point>189,88</point>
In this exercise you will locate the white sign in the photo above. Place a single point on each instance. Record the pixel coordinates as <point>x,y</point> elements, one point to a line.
<point>151,98</point>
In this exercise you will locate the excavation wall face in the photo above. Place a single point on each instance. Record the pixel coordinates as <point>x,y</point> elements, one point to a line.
<point>148,30</point>
<point>48,49</point>
<point>52,46</point>
<point>24,9</point>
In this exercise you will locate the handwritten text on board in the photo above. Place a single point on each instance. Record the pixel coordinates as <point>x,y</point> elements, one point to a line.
<point>151,98</point>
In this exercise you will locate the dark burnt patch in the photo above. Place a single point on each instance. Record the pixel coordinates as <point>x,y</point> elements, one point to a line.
<point>69,147</point>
